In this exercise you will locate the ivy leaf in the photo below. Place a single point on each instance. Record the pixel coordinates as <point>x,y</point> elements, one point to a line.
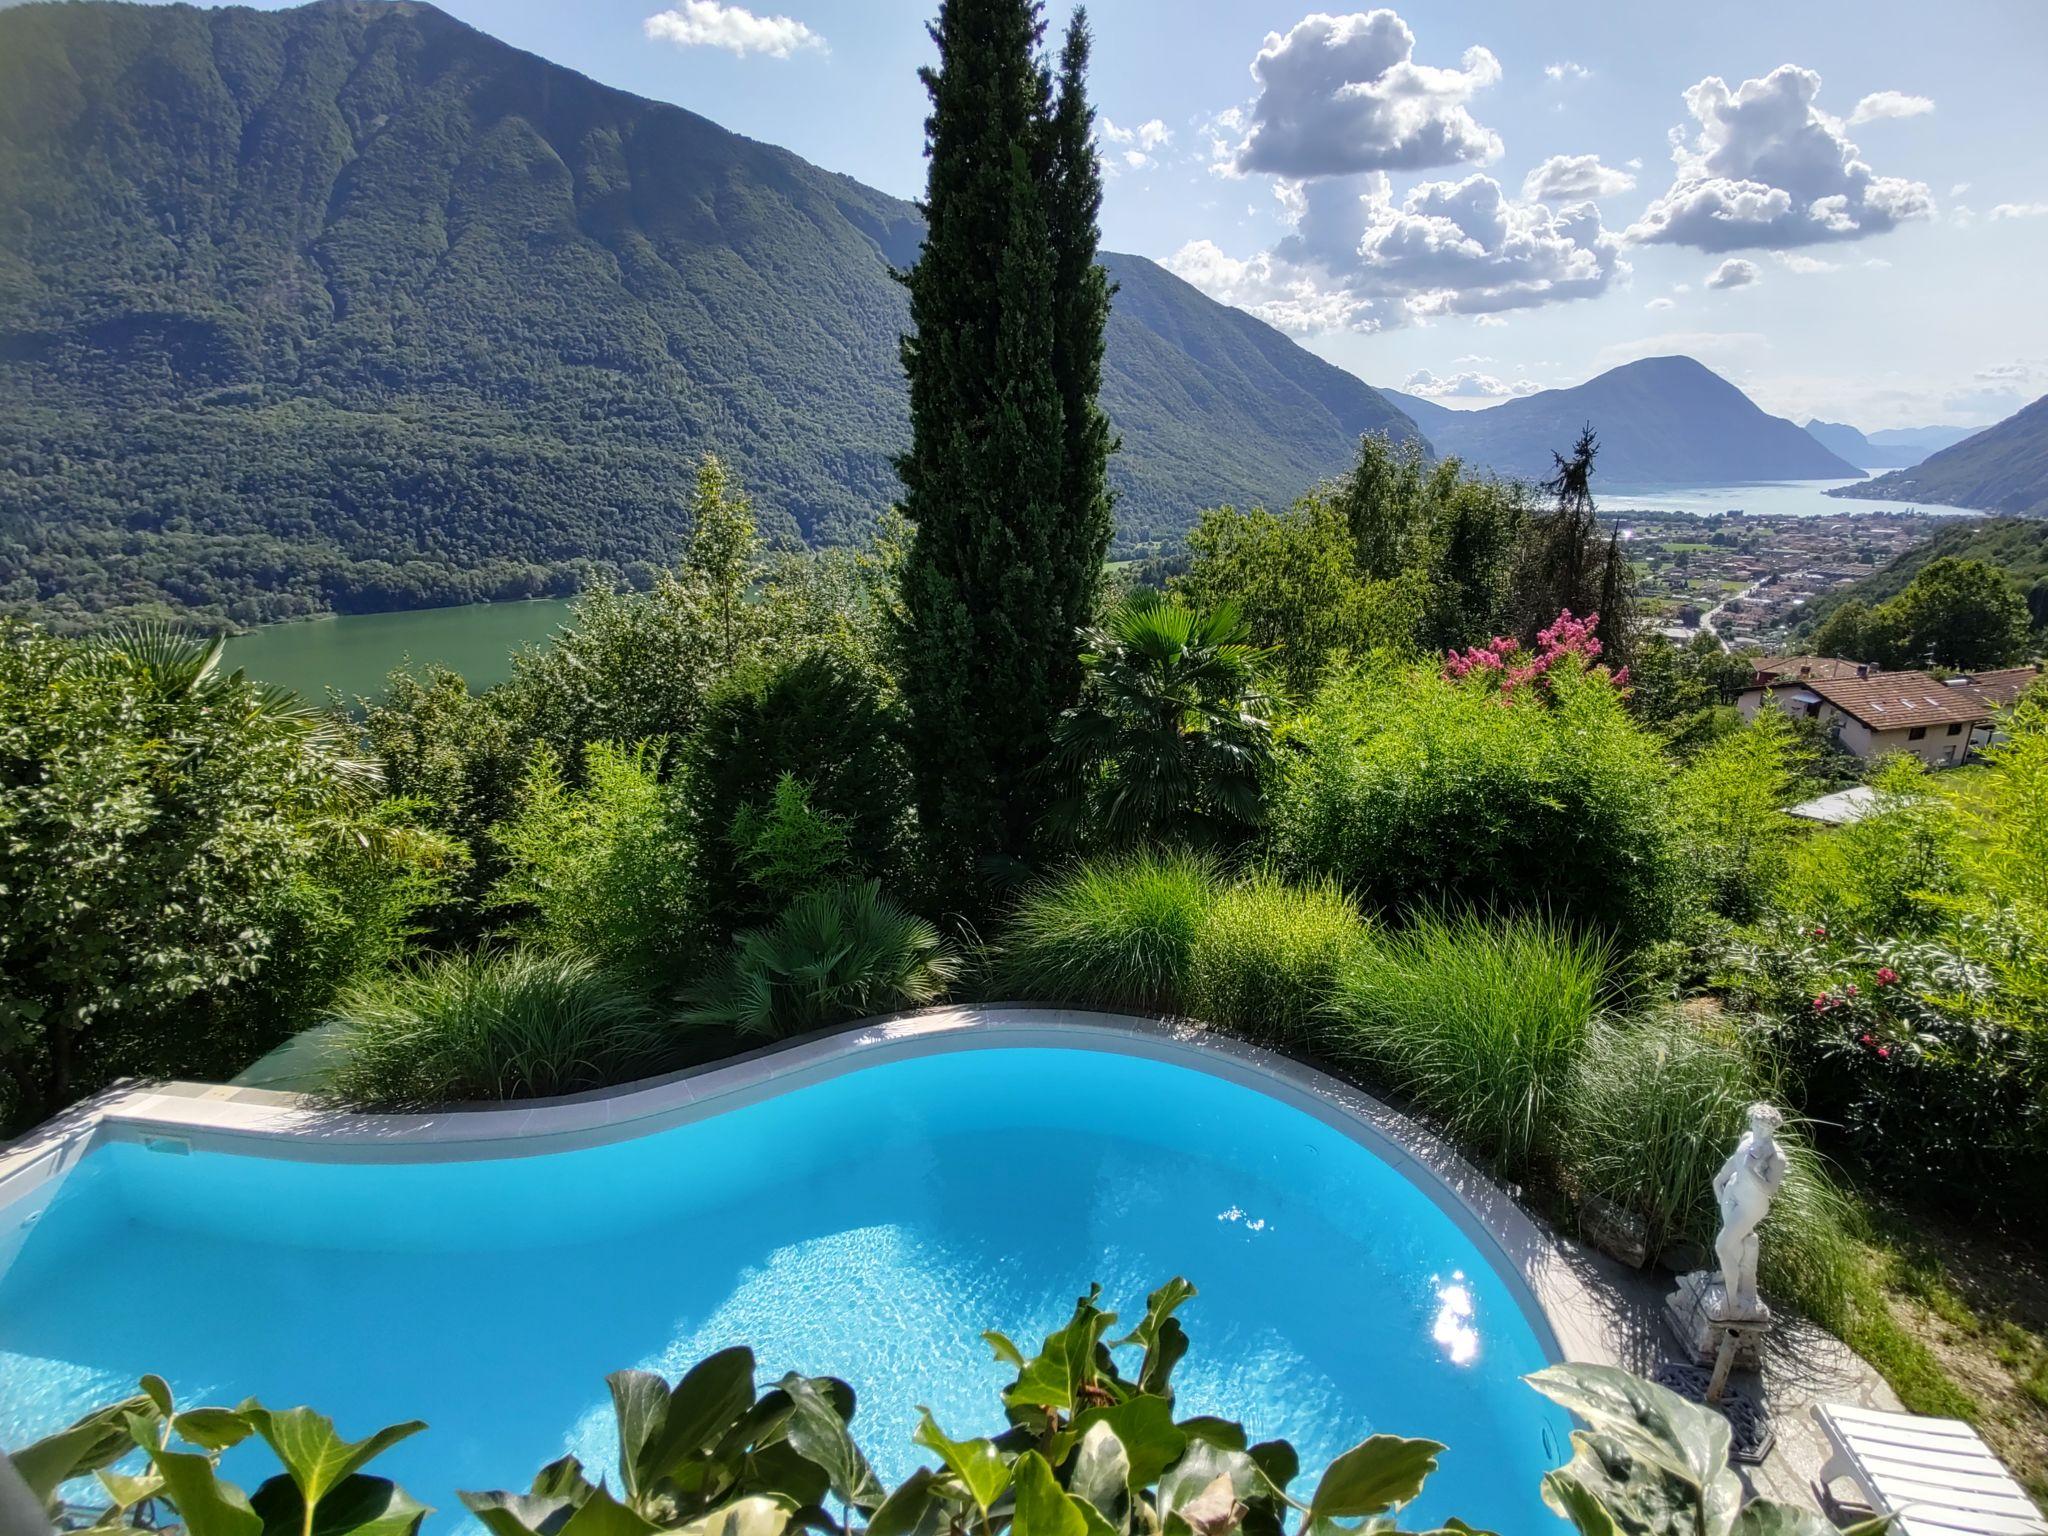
<point>820,1436</point>
<point>758,1514</point>
<point>977,1463</point>
<point>206,1505</point>
<point>1151,1439</point>
<point>1161,1334</point>
<point>354,1506</point>
<point>1373,1477</point>
<point>97,1440</point>
<point>315,1457</point>
<point>1043,1507</point>
<point>1101,1474</point>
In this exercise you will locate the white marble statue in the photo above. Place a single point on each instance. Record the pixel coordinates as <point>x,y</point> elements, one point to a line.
<point>1744,1189</point>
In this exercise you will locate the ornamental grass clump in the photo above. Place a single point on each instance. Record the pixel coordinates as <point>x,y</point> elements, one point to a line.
<point>1478,1019</point>
<point>1268,954</point>
<point>1117,932</point>
<point>1654,1107</point>
<point>509,1024</point>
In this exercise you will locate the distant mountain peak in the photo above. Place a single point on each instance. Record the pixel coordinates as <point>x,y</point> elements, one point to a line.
<point>1667,420</point>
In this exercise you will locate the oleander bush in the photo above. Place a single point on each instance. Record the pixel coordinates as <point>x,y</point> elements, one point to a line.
<point>841,952</point>
<point>1479,1020</point>
<point>498,1024</point>
<point>1113,932</point>
<point>1268,954</point>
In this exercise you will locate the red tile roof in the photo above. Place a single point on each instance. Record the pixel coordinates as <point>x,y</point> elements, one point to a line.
<point>1999,689</point>
<point>1892,701</point>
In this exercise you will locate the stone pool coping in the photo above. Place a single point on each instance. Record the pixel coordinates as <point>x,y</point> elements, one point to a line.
<point>1570,1310</point>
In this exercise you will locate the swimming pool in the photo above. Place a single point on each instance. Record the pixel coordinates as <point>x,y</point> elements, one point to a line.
<point>869,1224</point>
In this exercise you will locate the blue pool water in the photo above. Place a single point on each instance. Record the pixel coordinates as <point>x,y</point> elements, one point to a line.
<point>869,1226</point>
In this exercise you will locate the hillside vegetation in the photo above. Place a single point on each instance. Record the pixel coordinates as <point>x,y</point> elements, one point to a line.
<point>2002,469</point>
<point>2016,546</point>
<point>354,307</point>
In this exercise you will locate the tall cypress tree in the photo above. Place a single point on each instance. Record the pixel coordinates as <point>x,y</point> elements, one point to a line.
<point>1004,480</point>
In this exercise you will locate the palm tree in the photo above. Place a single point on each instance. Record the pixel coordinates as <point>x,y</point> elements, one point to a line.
<point>170,667</point>
<point>1171,737</point>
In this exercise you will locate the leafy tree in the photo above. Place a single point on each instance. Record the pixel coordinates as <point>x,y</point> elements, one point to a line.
<point>1960,613</point>
<point>1293,577</point>
<point>820,719</point>
<point>1395,554</point>
<point>1846,633</point>
<point>1001,487</point>
<point>789,846</point>
<point>455,754</point>
<point>1963,614</point>
<point>186,856</point>
<point>724,551</point>
<point>1170,739</point>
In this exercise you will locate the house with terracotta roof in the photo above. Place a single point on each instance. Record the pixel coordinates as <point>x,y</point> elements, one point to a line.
<point>1771,670</point>
<point>1873,713</point>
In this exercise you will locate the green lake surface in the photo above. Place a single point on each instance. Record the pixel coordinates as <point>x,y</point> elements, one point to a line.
<point>355,652</point>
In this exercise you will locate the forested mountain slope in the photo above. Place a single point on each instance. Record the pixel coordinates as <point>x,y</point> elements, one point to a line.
<point>353,306</point>
<point>2004,468</point>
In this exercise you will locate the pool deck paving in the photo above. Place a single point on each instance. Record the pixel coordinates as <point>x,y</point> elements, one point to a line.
<point>1591,1308</point>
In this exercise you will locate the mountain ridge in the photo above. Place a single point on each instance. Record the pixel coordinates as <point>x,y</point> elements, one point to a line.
<point>1662,421</point>
<point>2003,468</point>
<point>354,306</point>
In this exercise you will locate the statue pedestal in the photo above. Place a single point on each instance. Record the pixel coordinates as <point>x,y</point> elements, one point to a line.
<point>1707,1331</point>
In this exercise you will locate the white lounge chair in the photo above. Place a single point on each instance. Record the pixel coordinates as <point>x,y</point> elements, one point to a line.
<point>1933,1475</point>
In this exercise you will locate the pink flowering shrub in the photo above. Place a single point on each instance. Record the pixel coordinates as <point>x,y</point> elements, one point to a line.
<point>1501,663</point>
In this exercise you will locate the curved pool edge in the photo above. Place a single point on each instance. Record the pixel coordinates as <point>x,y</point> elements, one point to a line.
<point>1564,1302</point>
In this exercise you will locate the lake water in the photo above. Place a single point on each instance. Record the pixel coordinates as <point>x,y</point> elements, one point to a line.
<point>1777,498</point>
<point>356,651</point>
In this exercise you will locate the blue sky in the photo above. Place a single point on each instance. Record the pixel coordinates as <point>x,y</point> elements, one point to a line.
<point>1853,222</point>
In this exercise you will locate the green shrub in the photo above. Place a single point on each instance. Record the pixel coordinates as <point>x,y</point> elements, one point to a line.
<point>822,720</point>
<point>1408,788</point>
<point>1874,877</point>
<point>1115,932</point>
<point>1480,1021</point>
<point>1268,954</point>
<point>511,1024</point>
<point>841,952</point>
<point>605,868</point>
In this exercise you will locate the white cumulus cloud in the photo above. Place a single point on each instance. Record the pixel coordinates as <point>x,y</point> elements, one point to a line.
<point>1566,177</point>
<point>1466,386</point>
<point>1889,104</point>
<point>708,24</point>
<point>1343,94</point>
<point>1565,69</point>
<point>2020,211</point>
<point>1360,260</point>
<point>1661,303</point>
<point>1765,168</point>
<point>1806,266</point>
<point>1734,273</point>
